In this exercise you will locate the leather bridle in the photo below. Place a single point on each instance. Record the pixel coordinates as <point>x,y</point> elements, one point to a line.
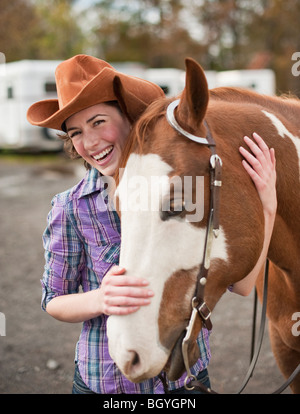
<point>199,306</point>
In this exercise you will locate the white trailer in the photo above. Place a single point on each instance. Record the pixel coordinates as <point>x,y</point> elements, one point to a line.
<point>172,81</point>
<point>169,79</point>
<point>23,83</point>
<point>260,80</point>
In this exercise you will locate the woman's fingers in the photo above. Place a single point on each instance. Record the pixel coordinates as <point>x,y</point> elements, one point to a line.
<point>261,145</point>
<point>120,310</point>
<point>260,164</point>
<point>261,159</point>
<point>124,294</point>
<point>127,301</point>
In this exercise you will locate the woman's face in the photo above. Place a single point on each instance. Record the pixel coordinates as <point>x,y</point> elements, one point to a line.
<point>98,134</point>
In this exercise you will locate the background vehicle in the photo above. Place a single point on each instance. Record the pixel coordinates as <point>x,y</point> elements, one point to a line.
<point>21,84</point>
<point>24,82</point>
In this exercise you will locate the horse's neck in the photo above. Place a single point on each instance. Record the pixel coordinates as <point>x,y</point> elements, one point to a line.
<point>287,111</point>
<point>287,107</point>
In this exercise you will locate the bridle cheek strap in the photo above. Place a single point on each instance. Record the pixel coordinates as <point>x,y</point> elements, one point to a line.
<point>212,231</point>
<point>199,306</point>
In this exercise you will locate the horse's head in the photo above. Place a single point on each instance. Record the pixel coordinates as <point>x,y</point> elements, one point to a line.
<point>164,201</point>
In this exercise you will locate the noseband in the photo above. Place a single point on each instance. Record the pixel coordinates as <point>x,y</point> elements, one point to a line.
<point>199,306</point>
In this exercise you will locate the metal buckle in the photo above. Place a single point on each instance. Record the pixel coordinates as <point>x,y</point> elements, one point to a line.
<point>186,385</point>
<point>215,158</point>
<point>185,343</point>
<point>204,311</point>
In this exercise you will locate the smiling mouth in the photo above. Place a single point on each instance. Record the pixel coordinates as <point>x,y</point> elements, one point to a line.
<point>104,154</point>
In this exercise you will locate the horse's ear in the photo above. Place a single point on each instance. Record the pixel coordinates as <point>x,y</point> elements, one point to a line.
<point>130,104</point>
<point>194,98</point>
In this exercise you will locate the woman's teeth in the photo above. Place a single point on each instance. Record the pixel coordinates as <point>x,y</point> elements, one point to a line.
<point>104,153</point>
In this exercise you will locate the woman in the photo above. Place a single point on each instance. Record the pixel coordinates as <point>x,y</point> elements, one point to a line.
<point>96,107</point>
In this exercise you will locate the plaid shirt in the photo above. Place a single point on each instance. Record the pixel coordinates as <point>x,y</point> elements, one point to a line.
<point>82,242</point>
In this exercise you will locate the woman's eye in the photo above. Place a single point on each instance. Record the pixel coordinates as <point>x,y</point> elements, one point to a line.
<point>74,134</point>
<point>98,122</point>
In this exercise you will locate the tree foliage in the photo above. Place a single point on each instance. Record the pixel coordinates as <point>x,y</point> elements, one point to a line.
<point>58,35</point>
<point>230,34</point>
<point>219,34</point>
<point>148,31</point>
<point>253,34</point>
<point>39,29</point>
<point>17,19</point>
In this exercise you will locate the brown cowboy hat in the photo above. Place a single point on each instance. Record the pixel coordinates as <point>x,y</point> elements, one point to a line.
<point>84,81</point>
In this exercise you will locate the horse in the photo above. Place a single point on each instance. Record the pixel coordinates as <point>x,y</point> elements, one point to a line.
<point>165,240</point>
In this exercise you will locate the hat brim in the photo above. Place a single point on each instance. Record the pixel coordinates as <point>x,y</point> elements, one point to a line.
<point>47,113</point>
<point>100,89</point>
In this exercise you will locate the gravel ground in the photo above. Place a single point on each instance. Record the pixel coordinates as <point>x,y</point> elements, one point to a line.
<point>36,355</point>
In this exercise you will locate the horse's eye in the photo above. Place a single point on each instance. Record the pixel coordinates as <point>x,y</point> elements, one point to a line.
<point>173,209</point>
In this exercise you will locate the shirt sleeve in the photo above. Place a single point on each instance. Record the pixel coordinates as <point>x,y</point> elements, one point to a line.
<point>63,256</point>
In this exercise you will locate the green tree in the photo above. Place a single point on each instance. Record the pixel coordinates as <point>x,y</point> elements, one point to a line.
<point>17,18</point>
<point>57,35</point>
<point>39,29</point>
<point>226,33</point>
<point>255,34</point>
<point>219,34</point>
<point>148,31</point>
<point>276,34</point>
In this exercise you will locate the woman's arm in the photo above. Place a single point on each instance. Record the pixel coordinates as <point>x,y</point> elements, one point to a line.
<point>118,295</point>
<point>261,166</point>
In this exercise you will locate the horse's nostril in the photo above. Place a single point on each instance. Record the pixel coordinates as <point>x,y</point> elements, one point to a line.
<point>133,363</point>
<point>136,359</point>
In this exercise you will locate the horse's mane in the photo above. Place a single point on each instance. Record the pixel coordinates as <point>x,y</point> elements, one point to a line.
<point>242,95</point>
<point>287,104</point>
<point>138,135</point>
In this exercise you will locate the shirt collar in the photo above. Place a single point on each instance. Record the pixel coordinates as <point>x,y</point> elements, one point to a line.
<point>91,183</point>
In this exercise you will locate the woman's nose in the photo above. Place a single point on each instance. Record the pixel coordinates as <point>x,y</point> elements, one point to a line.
<point>91,140</point>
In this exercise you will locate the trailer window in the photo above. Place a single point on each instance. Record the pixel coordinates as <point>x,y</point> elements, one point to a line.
<point>10,92</point>
<point>50,87</point>
<point>165,89</point>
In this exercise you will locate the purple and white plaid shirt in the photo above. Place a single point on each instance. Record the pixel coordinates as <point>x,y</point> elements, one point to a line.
<point>82,242</point>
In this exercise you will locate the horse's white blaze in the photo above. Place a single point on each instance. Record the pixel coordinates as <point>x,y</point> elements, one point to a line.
<point>152,249</point>
<point>284,132</point>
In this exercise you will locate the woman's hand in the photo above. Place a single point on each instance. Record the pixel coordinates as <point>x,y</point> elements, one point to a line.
<point>118,295</point>
<point>121,294</point>
<point>261,166</point>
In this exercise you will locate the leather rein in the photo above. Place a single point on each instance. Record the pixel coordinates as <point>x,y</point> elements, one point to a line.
<point>199,306</point>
